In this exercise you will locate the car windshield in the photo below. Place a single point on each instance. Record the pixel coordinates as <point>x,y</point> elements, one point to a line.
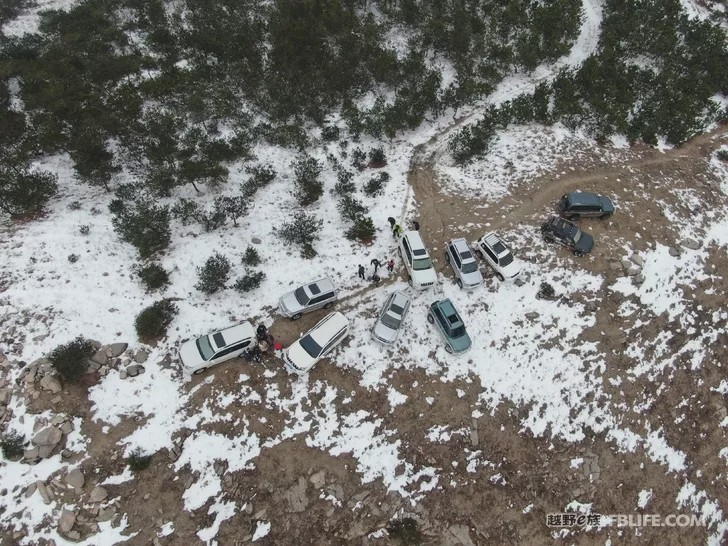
<point>506,260</point>
<point>310,346</point>
<point>301,296</point>
<point>421,263</point>
<point>458,331</point>
<point>577,235</point>
<point>470,267</point>
<point>391,321</point>
<point>205,348</point>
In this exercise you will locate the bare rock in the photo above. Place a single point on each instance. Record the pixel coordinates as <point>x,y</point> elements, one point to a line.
<point>93,366</point>
<point>98,494</point>
<point>31,454</point>
<point>625,263</point>
<point>633,270</point>
<point>67,521</point>
<point>134,370</point>
<point>122,374</point>
<point>106,514</point>
<point>75,478</point>
<point>674,252</point>
<point>5,395</point>
<point>296,495</point>
<point>100,357</point>
<point>117,349</point>
<point>50,383</point>
<point>256,240</point>
<point>318,480</point>
<point>638,280</point>
<point>532,315</point>
<point>49,436</point>
<point>45,493</point>
<point>32,488</point>
<point>474,440</point>
<point>457,535</point>
<point>140,357</point>
<point>73,535</point>
<point>692,244</point>
<point>637,260</point>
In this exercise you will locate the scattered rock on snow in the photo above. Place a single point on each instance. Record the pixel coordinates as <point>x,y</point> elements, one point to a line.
<point>633,270</point>
<point>140,357</point>
<point>625,263</point>
<point>255,241</point>
<point>45,493</point>
<point>638,280</point>
<point>67,521</point>
<point>118,348</point>
<point>122,374</point>
<point>106,514</point>
<point>134,370</point>
<point>637,260</point>
<point>100,357</point>
<point>532,315</point>
<point>46,440</point>
<point>615,266</point>
<point>75,478</point>
<point>50,383</point>
<point>674,252</point>
<point>98,494</point>
<point>692,244</point>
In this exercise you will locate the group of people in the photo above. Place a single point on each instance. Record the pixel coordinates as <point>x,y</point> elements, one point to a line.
<point>377,264</point>
<point>266,342</point>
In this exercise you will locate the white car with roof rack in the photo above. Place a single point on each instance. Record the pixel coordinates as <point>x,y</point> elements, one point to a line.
<point>306,298</point>
<point>417,261</point>
<point>199,354</point>
<point>391,317</point>
<point>462,261</point>
<point>317,343</point>
<point>497,254</point>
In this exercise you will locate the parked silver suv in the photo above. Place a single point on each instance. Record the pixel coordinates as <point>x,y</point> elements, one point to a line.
<point>309,297</point>
<point>463,263</point>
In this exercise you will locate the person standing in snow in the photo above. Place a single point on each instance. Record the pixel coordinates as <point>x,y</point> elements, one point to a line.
<point>398,230</point>
<point>390,265</point>
<point>361,272</point>
<point>376,263</point>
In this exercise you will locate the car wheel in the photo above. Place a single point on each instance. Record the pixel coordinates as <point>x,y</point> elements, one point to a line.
<point>549,239</point>
<point>500,277</point>
<point>297,316</point>
<point>430,318</point>
<point>577,253</point>
<point>198,371</point>
<point>607,215</point>
<point>447,257</point>
<point>460,284</point>
<point>448,349</point>
<point>409,279</point>
<point>329,305</point>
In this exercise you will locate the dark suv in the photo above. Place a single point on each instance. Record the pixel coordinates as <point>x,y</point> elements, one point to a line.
<point>579,204</point>
<point>568,234</point>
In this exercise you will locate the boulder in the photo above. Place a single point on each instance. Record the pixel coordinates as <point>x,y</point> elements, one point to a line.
<point>49,436</point>
<point>93,366</point>
<point>637,260</point>
<point>45,493</point>
<point>532,315</point>
<point>50,383</point>
<point>134,370</point>
<point>5,396</point>
<point>692,244</point>
<point>674,252</point>
<point>118,348</point>
<point>67,521</point>
<point>67,428</point>
<point>106,514</point>
<point>625,263</point>
<point>615,266</point>
<point>638,280</point>
<point>31,454</point>
<point>75,478</point>
<point>32,488</point>
<point>141,357</point>
<point>256,241</point>
<point>100,357</point>
<point>98,494</point>
<point>122,374</point>
<point>318,480</point>
<point>633,270</point>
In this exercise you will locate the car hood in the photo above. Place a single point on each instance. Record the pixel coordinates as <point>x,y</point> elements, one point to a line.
<point>289,304</point>
<point>190,355</point>
<point>299,358</point>
<point>472,279</point>
<point>607,205</point>
<point>586,243</point>
<point>384,333</point>
<point>512,270</point>
<point>424,275</point>
<point>460,344</point>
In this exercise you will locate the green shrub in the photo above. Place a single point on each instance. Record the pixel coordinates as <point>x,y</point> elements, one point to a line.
<point>362,230</point>
<point>23,192</point>
<point>73,258</point>
<point>84,230</point>
<point>722,155</point>
<point>345,183</point>
<point>308,186</point>
<point>185,210</point>
<point>250,281</point>
<point>152,323</point>
<point>377,158</point>
<point>214,274</point>
<point>251,256</point>
<point>153,276</point>
<point>13,445</point>
<point>137,460</point>
<point>330,133</point>
<point>375,184</point>
<point>405,532</point>
<point>261,176</point>
<point>143,224</point>
<point>351,208</point>
<point>303,230</point>
<point>71,360</point>
<point>358,159</point>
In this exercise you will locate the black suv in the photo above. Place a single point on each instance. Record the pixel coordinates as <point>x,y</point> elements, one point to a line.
<point>580,204</point>
<point>558,230</point>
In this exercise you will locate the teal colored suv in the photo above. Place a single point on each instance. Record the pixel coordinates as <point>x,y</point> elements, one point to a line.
<point>451,327</point>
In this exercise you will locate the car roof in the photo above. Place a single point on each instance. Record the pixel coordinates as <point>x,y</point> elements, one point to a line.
<point>231,335</point>
<point>321,285</point>
<point>328,327</point>
<point>400,299</point>
<point>448,309</point>
<point>461,245</point>
<point>584,198</point>
<point>493,241</point>
<point>415,241</point>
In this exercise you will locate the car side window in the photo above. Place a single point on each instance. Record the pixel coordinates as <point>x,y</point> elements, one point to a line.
<point>229,350</point>
<point>317,299</point>
<point>491,255</point>
<point>407,250</point>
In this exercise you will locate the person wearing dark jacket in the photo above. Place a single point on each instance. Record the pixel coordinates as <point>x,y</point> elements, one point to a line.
<point>361,272</point>
<point>376,263</point>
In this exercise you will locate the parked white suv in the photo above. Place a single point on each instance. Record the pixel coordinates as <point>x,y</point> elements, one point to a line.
<point>417,260</point>
<point>309,297</point>
<point>199,354</point>
<point>311,347</point>
<point>462,261</point>
<point>498,255</point>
